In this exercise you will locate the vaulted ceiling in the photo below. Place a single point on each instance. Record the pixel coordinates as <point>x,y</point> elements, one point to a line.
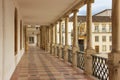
<point>44,12</point>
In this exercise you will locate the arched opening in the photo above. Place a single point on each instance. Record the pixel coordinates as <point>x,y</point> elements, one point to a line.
<point>15,31</point>
<point>21,34</point>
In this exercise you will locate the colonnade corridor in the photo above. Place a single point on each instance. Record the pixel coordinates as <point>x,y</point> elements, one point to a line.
<point>37,64</point>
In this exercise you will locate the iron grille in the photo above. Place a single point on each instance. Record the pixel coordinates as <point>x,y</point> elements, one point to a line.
<point>100,68</point>
<point>62,53</point>
<point>57,51</point>
<point>69,55</point>
<point>80,60</point>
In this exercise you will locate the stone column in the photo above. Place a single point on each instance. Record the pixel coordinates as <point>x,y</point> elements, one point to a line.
<point>46,34</point>
<point>75,39</point>
<point>37,40</point>
<point>51,47</point>
<point>89,50</point>
<point>26,39</point>
<point>40,37</point>
<point>55,39</point>
<point>60,39</point>
<point>44,39</point>
<point>66,39</point>
<point>48,38</point>
<point>114,56</point>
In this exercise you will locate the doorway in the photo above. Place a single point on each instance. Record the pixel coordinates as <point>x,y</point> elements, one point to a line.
<point>97,49</point>
<point>81,44</point>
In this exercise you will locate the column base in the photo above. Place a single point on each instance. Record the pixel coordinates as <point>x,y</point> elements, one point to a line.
<point>66,53</point>
<point>48,48</point>
<point>60,51</point>
<point>114,65</point>
<point>88,60</point>
<point>51,49</point>
<point>26,47</point>
<point>55,50</point>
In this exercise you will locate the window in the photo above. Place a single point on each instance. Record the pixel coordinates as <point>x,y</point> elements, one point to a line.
<point>31,40</point>
<point>104,48</point>
<point>110,29</point>
<point>97,49</point>
<point>96,28</point>
<point>103,28</point>
<point>96,38</point>
<point>104,38</point>
<point>110,38</point>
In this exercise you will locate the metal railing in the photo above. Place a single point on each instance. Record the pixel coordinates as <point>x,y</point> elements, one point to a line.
<point>100,68</point>
<point>57,50</point>
<point>70,55</point>
<point>62,53</point>
<point>80,60</point>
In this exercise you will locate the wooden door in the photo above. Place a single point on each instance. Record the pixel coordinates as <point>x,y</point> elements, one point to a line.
<point>97,49</point>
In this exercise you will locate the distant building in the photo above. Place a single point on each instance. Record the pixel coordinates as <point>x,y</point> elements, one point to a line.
<point>101,32</point>
<point>106,12</point>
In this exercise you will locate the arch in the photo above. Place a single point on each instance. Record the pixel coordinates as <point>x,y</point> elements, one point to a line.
<point>15,31</point>
<point>21,34</point>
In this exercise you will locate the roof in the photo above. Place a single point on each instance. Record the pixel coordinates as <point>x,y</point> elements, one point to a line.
<point>102,12</point>
<point>94,19</point>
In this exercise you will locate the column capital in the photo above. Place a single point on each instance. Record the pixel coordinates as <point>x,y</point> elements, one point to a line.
<point>56,23</point>
<point>75,10</point>
<point>66,15</point>
<point>60,20</point>
<point>89,1</point>
<point>51,25</point>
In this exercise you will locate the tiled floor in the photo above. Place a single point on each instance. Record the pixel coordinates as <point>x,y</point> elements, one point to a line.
<point>39,65</point>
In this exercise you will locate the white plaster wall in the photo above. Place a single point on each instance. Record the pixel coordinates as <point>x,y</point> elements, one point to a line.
<point>1,40</point>
<point>9,59</point>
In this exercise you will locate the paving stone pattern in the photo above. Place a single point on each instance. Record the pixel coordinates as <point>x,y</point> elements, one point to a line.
<point>37,64</point>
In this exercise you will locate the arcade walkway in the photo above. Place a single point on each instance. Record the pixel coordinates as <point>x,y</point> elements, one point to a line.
<point>36,64</point>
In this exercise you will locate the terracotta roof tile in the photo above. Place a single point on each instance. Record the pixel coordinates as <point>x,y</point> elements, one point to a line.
<point>94,19</point>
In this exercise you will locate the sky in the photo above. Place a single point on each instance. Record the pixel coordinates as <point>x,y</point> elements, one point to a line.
<point>97,6</point>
